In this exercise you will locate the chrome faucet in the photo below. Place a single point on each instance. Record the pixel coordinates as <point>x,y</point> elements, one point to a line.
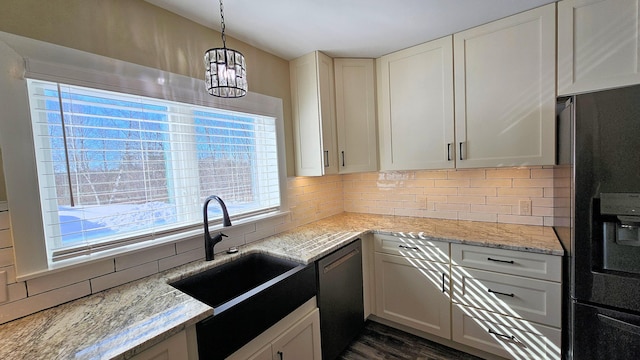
<point>210,242</point>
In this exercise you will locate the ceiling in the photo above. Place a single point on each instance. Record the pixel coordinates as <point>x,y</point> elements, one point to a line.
<point>343,28</point>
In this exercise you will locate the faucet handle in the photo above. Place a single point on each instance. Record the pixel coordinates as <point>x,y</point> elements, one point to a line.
<point>221,234</point>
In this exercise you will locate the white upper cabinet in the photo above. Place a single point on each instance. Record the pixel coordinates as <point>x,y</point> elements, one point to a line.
<point>415,107</point>
<point>505,91</point>
<point>598,45</point>
<point>356,115</point>
<point>313,103</point>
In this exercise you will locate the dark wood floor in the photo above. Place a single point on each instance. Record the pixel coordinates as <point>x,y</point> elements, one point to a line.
<point>378,341</point>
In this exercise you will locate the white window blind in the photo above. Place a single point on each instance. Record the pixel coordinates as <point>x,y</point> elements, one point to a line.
<point>116,169</point>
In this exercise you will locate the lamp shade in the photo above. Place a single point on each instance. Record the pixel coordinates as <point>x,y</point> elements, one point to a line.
<point>225,73</point>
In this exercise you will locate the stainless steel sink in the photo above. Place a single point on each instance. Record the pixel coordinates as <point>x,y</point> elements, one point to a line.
<point>248,295</point>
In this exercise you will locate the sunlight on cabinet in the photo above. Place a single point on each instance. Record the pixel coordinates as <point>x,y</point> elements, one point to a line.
<point>503,302</point>
<point>505,91</point>
<point>598,45</point>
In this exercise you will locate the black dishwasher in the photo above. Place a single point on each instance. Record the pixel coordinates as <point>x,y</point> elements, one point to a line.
<point>340,298</point>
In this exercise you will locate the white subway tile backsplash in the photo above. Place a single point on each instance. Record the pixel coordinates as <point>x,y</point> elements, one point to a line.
<point>261,232</point>
<point>11,273</point>
<point>144,256</point>
<point>227,243</point>
<point>464,194</point>
<point>181,259</point>
<point>187,245</point>
<point>4,220</point>
<point>509,173</point>
<point>518,219</point>
<point>67,277</point>
<point>6,257</point>
<point>478,216</point>
<point>5,238</point>
<point>121,277</point>
<point>32,304</point>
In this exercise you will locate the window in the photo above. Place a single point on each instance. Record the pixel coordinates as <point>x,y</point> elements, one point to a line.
<point>116,169</point>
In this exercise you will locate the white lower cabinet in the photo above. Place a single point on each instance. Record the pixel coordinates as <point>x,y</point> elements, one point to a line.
<point>302,341</point>
<point>507,302</point>
<point>410,290</point>
<point>295,337</point>
<point>174,348</point>
<point>503,302</point>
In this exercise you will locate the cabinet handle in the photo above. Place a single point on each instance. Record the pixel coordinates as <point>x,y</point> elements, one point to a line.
<point>281,355</point>
<point>499,293</point>
<point>510,337</point>
<point>449,152</point>
<point>342,158</point>
<point>326,158</point>
<point>409,247</point>
<point>443,275</point>
<point>502,261</point>
<point>461,150</point>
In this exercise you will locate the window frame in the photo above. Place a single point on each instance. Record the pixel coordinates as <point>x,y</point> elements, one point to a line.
<point>23,58</point>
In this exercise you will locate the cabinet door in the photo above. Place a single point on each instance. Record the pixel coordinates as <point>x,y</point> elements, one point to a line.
<point>326,81</point>
<point>312,101</point>
<point>355,115</point>
<point>174,347</point>
<point>598,45</point>
<point>505,91</point>
<point>415,107</point>
<point>302,341</point>
<point>414,293</point>
<point>266,353</point>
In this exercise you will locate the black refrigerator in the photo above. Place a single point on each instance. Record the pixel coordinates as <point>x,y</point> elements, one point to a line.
<point>597,219</point>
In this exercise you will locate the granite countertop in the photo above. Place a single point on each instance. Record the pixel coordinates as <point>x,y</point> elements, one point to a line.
<point>123,321</point>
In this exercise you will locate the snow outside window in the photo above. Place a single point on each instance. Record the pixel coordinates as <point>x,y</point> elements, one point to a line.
<point>116,169</point>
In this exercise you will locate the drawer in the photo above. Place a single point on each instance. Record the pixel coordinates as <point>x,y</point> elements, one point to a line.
<point>522,263</point>
<point>504,336</point>
<point>520,297</point>
<point>423,249</point>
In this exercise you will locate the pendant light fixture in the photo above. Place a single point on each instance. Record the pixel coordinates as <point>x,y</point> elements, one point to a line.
<point>225,74</point>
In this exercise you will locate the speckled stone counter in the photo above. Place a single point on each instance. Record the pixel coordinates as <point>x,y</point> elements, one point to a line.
<point>123,321</point>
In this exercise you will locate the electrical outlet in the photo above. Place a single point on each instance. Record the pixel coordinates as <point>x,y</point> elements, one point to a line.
<point>525,207</point>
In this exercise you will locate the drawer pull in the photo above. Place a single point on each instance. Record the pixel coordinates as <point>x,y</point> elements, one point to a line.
<point>280,355</point>
<point>499,293</point>
<point>409,247</point>
<point>443,275</point>
<point>510,337</point>
<point>502,261</point>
